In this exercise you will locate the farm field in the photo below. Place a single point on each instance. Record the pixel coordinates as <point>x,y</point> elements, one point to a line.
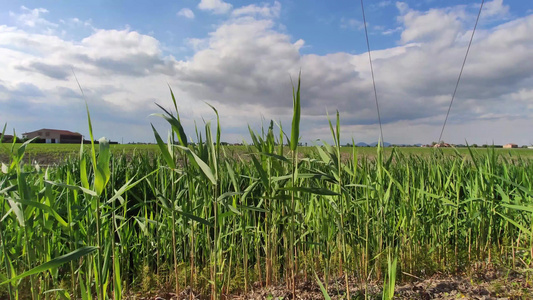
<point>203,220</point>
<point>200,221</point>
<point>48,154</point>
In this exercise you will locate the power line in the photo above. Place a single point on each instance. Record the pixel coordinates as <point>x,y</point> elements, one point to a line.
<point>372,72</point>
<point>461,73</point>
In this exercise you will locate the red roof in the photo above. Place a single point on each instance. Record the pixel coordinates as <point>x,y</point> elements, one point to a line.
<point>66,132</point>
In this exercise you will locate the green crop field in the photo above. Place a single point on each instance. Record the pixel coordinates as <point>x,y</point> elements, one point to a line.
<point>50,154</point>
<point>222,220</point>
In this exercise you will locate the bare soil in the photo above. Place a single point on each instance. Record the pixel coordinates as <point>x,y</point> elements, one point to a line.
<point>485,285</point>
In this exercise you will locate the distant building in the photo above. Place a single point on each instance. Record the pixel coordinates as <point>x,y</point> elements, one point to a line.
<point>441,145</point>
<point>6,138</point>
<point>510,145</point>
<point>55,136</point>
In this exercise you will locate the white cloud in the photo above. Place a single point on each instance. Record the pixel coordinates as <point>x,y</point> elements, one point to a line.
<point>197,44</point>
<point>391,31</point>
<point>186,12</point>
<point>111,54</point>
<point>402,7</point>
<point>266,11</point>
<point>495,8</point>
<point>243,67</point>
<point>247,62</point>
<point>438,27</point>
<point>216,6</point>
<point>77,22</point>
<point>32,18</point>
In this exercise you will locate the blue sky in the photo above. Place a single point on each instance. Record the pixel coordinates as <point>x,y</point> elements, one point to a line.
<point>240,55</point>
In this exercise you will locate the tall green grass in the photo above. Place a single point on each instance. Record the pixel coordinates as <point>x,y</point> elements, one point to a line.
<point>197,216</point>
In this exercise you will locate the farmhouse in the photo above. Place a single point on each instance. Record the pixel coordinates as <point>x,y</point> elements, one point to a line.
<point>510,145</point>
<point>55,136</point>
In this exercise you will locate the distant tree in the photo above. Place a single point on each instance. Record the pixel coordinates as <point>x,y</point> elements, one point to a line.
<point>474,145</point>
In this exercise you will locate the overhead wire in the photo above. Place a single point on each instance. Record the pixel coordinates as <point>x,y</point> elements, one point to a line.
<point>372,72</point>
<point>461,72</point>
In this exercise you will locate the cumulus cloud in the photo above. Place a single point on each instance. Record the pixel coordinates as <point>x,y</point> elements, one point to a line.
<point>52,71</point>
<point>122,52</point>
<point>215,6</point>
<point>422,26</point>
<point>246,61</point>
<point>26,90</point>
<point>118,70</point>
<point>495,8</point>
<point>186,12</point>
<point>244,68</point>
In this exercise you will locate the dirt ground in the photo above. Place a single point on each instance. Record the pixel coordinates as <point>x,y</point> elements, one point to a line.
<point>486,285</point>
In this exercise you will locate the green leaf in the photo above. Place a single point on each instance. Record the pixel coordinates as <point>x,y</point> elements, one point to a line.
<point>231,174</point>
<point>164,150</point>
<point>295,132</point>
<point>174,123</point>
<point>518,207</point>
<point>18,211</point>
<point>102,172</point>
<point>73,187</point>
<point>45,208</point>
<point>262,174</point>
<point>165,202</point>
<point>525,230</point>
<point>83,170</point>
<point>203,166</point>
<point>227,194</point>
<point>127,186</point>
<point>317,191</point>
<point>322,288</point>
<point>22,149</point>
<point>56,262</point>
<point>2,135</point>
<point>278,157</point>
<point>325,158</point>
<point>117,280</point>
<point>63,294</point>
<point>195,218</point>
<point>252,208</point>
<point>218,128</point>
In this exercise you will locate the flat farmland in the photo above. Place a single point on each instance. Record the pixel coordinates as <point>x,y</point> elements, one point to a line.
<point>221,221</point>
<point>49,154</point>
